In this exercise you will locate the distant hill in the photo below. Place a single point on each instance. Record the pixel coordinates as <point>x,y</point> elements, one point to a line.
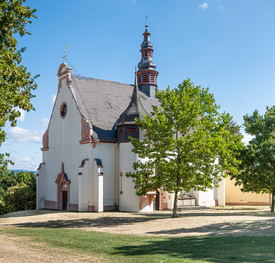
<point>16,171</point>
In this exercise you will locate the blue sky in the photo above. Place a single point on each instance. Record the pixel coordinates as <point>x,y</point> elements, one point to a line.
<point>228,46</point>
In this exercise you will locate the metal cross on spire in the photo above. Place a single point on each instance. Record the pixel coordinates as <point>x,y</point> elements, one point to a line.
<point>64,56</point>
<point>146,22</point>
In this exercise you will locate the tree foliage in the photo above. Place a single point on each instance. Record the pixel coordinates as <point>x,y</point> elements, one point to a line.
<point>7,179</point>
<point>257,166</point>
<point>16,83</point>
<point>181,142</point>
<point>234,130</point>
<point>20,197</point>
<point>17,192</point>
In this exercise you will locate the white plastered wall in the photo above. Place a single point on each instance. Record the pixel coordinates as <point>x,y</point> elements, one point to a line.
<point>40,193</point>
<point>64,136</point>
<point>106,152</point>
<point>84,182</point>
<point>128,200</point>
<point>168,198</point>
<point>145,206</point>
<point>204,198</point>
<point>97,192</point>
<point>220,193</point>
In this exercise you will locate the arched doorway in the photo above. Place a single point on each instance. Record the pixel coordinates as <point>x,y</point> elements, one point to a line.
<point>63,190</point>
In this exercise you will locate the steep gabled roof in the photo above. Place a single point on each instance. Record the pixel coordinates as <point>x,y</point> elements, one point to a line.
<point>102,102</point>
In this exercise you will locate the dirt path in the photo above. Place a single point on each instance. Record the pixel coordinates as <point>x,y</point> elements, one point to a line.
<point>21,249</point>
<point>200,222</point>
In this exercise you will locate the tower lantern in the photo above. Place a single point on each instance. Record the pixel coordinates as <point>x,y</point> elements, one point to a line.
<point>147,74</point>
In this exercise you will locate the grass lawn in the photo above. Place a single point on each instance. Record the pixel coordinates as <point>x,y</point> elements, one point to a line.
<point>133,248</point>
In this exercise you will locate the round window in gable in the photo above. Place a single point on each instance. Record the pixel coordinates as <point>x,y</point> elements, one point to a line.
<point>63,110</point>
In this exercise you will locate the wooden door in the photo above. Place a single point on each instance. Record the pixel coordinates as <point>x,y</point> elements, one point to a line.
<point>64,200</point>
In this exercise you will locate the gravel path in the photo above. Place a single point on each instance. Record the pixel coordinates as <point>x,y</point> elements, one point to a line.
<point>200,222</point>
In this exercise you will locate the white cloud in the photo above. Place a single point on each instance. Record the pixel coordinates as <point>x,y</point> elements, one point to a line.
<point>53,98</point>
<point>203,6</point>
<point>24,135</point>
<point>221,7</point>
<point>22,114</point>
<point>247,138</point>
<point>45,122</point>
<point>24,163</point>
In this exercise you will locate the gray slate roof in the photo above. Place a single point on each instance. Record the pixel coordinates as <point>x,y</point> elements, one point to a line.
<point>102,102</point>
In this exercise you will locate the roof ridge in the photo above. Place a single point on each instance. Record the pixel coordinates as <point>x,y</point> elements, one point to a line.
<point>95,79</point>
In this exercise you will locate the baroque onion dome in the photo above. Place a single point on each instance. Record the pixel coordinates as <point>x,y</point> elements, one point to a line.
<point>147,74</point>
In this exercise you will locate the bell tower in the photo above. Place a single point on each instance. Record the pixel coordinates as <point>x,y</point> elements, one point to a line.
<point>147,74</point>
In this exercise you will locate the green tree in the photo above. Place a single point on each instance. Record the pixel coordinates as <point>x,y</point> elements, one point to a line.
<point>7,179</point>
<point>182,140</point>
<point>257,166</point>
<point>234,130</point>
<point>2,200</point>
<point>28,178</point>
<point>16,82</point>
<point>17,192</point>
<point>19,197</point>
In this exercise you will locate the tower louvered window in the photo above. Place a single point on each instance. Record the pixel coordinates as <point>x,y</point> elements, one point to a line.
<point>152,79</point>
<point>145,78</point>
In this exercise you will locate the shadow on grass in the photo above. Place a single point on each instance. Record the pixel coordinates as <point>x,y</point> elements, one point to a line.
<point>108,221</point>
<point>210,249</point>
<point>242,228</point>
<point>237,228</point>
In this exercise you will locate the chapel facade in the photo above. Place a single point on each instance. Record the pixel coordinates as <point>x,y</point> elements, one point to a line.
<point>86,147</point>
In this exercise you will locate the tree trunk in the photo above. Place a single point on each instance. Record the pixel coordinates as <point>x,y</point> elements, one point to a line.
<point>272,201</point>
<point>175,204</point>
<point>177,182</point>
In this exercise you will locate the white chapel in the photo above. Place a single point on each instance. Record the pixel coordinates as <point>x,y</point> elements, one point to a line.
<point>86,147</point>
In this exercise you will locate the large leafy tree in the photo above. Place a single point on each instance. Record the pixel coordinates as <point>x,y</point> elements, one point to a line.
<point>16,83</point>
<point>7,179</point>
<point>234,130</point>
<point>257,166</point>
<point>182,140</point>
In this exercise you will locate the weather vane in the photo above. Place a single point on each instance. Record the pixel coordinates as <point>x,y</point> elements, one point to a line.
<point>64,56</point>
